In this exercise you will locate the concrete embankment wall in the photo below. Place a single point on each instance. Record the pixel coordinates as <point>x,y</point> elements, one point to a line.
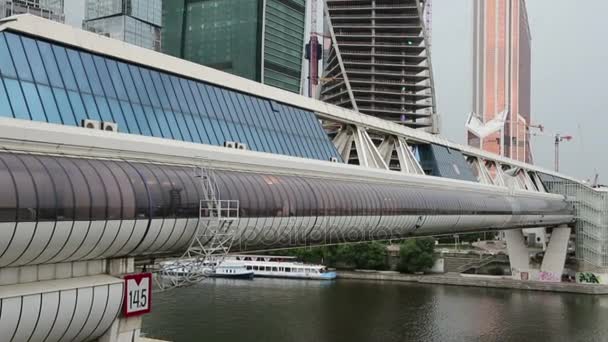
<point>475,281</point>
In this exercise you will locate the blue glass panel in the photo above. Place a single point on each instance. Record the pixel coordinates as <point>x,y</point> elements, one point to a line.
<point>104,76</point>
<point>308,129</point>
<point>6,61</point>
<point>65,109</point>
<point>128,82</point>
<point>5,106</point>
<point>204,97</point>
<point>220,94</point>
<point>91,107</point>
<point>139,85</point>
<point>119,86</point>
<point>183,127</point>
<point>118,115</point>
<point>202,130</point>
<point>79,112</point>
<point>197,98</point>
<point>150,87</point>
<point>276,145</point>
<point>151,116</point>
<point>50,64</point>
<point>258,123</point>
<point>210,100</point>
<point>160,90</point>
<point>33,101</point>
<point>142,121</point>
<point>166,83</point>
<point>192,127</point>
<point>165,130</point>
<point>229,114</point>
<point>66,69</point>
<point>177,134</point>
<point>217,128</point>
<point>16,49</point>
<point>78,69</point>
<point>243,119</point>
<point>130,117</point>
<point>179,92</point>
<point>48,102</point>
<point>104,109</point>
<point>33,56</point>
<point>188,95</point>
<point>245,111</point>
<point>13,89</point>
<point>91,72</point>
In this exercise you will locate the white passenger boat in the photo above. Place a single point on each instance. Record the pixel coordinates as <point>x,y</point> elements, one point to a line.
<point>226,269</point>
<point>281,267</point>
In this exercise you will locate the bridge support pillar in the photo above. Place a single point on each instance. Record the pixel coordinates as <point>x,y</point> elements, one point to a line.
<point>518,252</point>
<point>123,329</point>
<point>555,255</point>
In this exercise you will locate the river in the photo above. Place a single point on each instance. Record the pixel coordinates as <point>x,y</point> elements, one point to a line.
<point>350,310</point>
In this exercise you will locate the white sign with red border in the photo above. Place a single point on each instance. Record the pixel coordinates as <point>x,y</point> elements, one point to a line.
<point>138,294</point>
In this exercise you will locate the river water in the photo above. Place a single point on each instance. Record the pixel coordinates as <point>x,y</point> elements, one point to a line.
<point>349,310</point>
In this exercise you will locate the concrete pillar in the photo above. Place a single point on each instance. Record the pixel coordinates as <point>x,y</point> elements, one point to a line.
<point>555,255</point>
<point>518,252</point>
<point>123,329</point>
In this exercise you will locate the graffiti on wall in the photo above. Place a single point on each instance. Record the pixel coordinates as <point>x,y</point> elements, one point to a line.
<point>590,278</point>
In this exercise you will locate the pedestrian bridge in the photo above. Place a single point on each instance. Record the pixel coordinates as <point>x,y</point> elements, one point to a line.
<point>101,147</point>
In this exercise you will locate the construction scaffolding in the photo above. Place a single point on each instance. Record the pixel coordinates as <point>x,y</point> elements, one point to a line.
<point>211,242</point>
<point>591,227</point>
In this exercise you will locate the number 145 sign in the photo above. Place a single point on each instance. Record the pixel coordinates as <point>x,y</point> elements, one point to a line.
<point>138,294</point>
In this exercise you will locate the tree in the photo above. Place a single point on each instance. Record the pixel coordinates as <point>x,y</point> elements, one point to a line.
<point>416,255</point>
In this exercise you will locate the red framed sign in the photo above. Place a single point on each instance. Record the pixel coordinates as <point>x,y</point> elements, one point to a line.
<point>138,294</point>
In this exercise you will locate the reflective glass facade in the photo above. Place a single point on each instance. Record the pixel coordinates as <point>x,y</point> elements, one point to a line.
<point>51,188</point>
<point>47,82</point>
<point>259,40</point>
<point>136,22</point>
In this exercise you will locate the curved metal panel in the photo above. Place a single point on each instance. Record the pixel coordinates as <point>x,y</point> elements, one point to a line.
<point>48,311</point>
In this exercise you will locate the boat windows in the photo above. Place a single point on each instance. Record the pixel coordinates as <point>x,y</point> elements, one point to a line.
<point>287,269</point>
<point>274,269</point>
<point>248,268</point>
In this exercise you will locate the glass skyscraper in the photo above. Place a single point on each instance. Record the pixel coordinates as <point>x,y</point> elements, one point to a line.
<point>261,40</point>
<point>502,77</point>
<point>49,9</point>
<point>136,22</point>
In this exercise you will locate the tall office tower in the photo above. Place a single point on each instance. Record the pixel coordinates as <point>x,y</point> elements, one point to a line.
<point>262,40</point>
<point>501,79</point>
<point>378,62</point>
<point>136,22</point>
<point>49,9</point>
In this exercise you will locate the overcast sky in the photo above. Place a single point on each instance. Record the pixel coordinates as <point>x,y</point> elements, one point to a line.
<point>569,78</point>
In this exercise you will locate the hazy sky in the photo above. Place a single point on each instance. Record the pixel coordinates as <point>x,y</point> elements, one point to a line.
<point>569,78</point>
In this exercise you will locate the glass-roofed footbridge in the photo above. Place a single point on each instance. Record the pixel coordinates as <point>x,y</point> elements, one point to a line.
<point>112,154</point>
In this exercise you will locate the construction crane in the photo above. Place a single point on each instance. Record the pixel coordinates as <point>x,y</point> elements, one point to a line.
<point>428,21</point>
<point>558,138</point>
<point>313,51</point>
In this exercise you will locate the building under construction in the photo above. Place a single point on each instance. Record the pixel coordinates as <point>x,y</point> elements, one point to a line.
<point>378,61</point>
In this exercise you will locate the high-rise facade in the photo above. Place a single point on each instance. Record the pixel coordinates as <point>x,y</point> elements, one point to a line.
<point>501,79</point>
<point>49,9</point>
<point>136,22</point>
<point>378,62</point>
<point>262,40</point>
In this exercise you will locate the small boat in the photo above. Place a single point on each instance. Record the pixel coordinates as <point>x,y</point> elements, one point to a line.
<point>281,267</point>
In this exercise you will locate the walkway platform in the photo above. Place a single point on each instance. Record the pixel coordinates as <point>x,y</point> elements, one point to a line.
<point>475,281</point>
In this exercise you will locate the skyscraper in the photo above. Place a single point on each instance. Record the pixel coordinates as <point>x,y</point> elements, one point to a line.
<point>49,9</point>
<point>262,40</point>
<point>501,79</point>
<point>136,22</point>
<point>378,62</point>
